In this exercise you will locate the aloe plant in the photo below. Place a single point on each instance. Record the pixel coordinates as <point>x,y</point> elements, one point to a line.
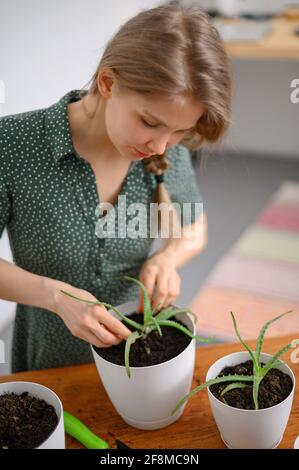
<point>259,371</point>
<point>150,320</point>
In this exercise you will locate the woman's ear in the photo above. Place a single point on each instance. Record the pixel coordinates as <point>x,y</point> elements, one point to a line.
<point>105,81</point>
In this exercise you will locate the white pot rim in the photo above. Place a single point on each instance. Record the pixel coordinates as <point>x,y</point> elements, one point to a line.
<point>241,410</point>
<point>40,386</point>
<point>155,365</point>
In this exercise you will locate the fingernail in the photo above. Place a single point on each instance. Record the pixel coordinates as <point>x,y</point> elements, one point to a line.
<point>122,338</point>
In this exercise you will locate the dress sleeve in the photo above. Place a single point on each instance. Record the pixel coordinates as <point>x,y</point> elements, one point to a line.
<point>5,199</point>
<point>181,183</point>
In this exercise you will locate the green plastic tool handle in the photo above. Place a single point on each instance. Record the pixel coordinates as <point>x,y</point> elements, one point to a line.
<point>75,428</point>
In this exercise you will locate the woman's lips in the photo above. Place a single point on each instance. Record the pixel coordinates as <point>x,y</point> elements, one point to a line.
<point>141,154</point>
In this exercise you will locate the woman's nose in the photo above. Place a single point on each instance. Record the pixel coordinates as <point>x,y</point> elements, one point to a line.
<point>158,147</point>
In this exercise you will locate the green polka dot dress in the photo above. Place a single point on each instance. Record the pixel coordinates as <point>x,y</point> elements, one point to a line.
<point>48,203</point>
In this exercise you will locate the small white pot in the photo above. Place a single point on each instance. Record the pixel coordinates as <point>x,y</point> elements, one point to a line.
<point>146,400</point>
<point>56,440</point>
<point>250,429</point>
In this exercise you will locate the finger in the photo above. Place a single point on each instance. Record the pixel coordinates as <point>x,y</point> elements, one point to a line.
<point>112,324</point>
<point>90,338</point>
<point>162,291</point>
<point>174,288</point>
<point>140,303</point>
<point>169,301</point>
<point>105,336</point>
<point>173,294</point>
<point>149,282</point>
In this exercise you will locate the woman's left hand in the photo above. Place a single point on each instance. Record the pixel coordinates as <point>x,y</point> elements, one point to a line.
<point>159,273</point>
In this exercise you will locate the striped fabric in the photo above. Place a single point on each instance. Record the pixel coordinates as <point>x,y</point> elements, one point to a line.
<point>259,277</point>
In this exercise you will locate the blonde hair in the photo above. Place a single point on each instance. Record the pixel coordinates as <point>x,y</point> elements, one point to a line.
<point>173,50</point>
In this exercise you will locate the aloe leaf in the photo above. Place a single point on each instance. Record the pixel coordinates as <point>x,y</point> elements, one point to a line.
<point>272,363</point>
<point>251,353</point>
<point>176,325</point>
<point>218,380</point>
<point>81,300</point>
<point>156,326</point>
<point>165,313</point>
<point>255,391</point>
<point>147,312</point>
<point>262,334</point>
<point>156,308</point>
<point>232,387</point>
<point>130,340</point>
<point>277,363</point>
<point>170,312</point>
<point>135,325</point>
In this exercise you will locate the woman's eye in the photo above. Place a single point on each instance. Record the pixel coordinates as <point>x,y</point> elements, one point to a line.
<point>147,124</point>
<point>156,125</point>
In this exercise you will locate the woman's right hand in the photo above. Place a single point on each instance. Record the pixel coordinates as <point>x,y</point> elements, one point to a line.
<point>92,323</point>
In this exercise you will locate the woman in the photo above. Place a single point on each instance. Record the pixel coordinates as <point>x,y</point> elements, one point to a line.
<point>162,86</point>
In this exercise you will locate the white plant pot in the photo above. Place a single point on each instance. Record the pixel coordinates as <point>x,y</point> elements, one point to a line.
<point>56,440</point>
<point>249,429</point>
<point>146,400</point>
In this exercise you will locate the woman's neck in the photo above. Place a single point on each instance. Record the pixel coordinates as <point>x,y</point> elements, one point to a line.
<point>88,129</point>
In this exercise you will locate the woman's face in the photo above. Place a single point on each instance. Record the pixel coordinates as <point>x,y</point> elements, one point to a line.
<point>148,125</point>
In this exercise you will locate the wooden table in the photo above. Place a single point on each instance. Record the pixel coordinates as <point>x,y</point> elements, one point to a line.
<point>280,44</point>
<point>83,395</point>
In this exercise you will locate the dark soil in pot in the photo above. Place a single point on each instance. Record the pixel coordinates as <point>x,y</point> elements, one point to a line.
<point>274,388</point>
<point>162,348</point>
<point>25,421</point>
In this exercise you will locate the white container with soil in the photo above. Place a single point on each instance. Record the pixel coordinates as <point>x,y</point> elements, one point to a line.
<point>251,428</point>
<point>31,417</point>
<point>250,394</point>
<point>145,375</point>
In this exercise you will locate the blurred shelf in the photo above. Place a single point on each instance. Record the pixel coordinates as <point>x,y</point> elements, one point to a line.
<point>280,43</point>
